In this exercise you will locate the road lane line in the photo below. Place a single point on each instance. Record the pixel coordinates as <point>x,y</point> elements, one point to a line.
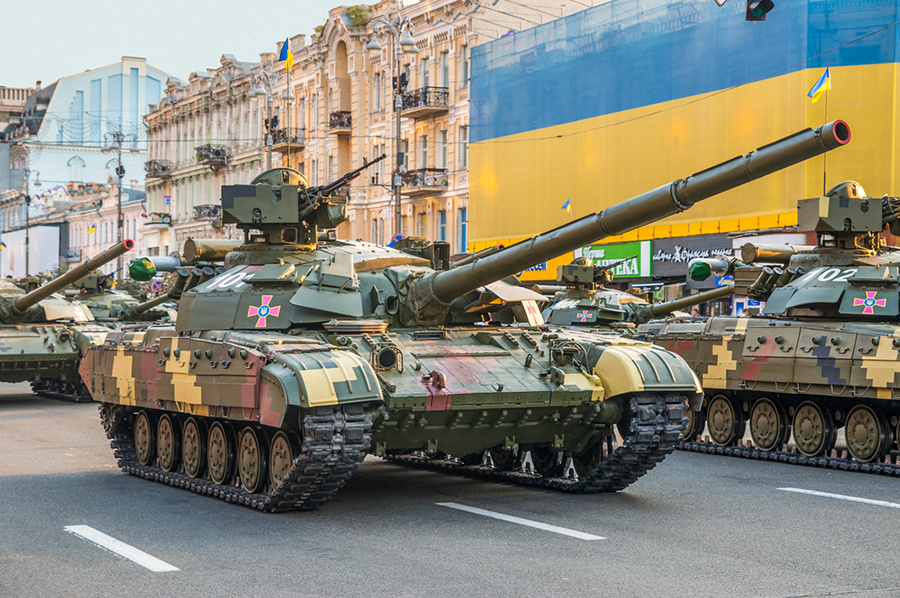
<point>129,552</point>
<point>527,522</point>
<point>867,501</point>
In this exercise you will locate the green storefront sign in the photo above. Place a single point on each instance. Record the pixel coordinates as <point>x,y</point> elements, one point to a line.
<point>637,256</point>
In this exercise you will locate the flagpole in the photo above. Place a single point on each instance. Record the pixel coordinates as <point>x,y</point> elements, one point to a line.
<point>825,155</point>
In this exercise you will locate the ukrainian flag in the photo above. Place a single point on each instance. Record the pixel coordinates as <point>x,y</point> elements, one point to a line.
<point>286,55</point>
<point>2,245</point>
<point>821,86</point>
<point>568,206</point>
<point>92,230</point>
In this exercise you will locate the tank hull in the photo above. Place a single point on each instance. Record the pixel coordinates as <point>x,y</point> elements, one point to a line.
<point>788,379</point>
<point>407,394</point>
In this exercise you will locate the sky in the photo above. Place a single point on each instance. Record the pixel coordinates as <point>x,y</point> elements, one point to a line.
<point>178,38</point>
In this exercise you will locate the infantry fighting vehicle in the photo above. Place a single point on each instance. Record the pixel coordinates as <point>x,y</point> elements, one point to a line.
<point>823,352</point>
<point>281,374</point>
<point>43,335</point>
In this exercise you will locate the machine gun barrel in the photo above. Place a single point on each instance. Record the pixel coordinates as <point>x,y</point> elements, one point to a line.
<point>649,207</point>
<point>21,305</point>
<point>333,186</point>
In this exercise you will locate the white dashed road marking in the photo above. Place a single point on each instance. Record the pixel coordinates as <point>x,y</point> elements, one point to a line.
<point>129,552</point>
<point>868,501</point>
<point>520,521</point>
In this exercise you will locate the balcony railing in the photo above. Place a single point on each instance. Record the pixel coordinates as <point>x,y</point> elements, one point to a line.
<point>213,155</point>
<point>209,212</point>
<point>425,181</point>
<point>339,122</point>
<point>425,101</point>
<point>282,138</point>
<point>159,168</point>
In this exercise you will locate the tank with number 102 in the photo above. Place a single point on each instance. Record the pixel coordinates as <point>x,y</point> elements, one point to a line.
<point>309,352</point>
<point>822,354</point>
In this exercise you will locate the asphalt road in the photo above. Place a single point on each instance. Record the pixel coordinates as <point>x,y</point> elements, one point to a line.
<point>697,525</point>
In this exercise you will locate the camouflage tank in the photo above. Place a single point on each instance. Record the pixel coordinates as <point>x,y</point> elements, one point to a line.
<point>822,354</point>
<point>583,300</point>
<point>308,353</point>
<point>43,335</point>
<point>108,304</point>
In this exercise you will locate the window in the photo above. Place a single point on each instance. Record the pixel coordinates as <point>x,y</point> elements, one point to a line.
<point>381,231</point>
<point>463,147</point>
<point>464,66</point>
<point>442,225</point>
<point>461,232</point>
<point>442,149</point>
<point>377,93</point>
<point>381,164</point>
<point>404,149</point>
<point>425,78</point>
<point>301,122</point>
<point>423,151</point>
<point>315,173</point>
<point>76,170</point>
<point>330,167</point>
<point>404,225</point>
<point>445,69</point>
<point>422,227</point>
<point>315,114</point>
<point>374,230</point>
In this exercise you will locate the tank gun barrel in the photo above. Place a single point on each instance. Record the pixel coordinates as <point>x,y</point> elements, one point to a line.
<point>174,292</point>
<point>771,254</point>
<point>477,255</point>
<point>21,305</point>
<point>649,207</point>
<point>667,307</point>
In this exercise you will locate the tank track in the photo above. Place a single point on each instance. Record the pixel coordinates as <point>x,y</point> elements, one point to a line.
<point>55,388</point>
<point>334,444</point>
<point>653,430</point>
<point>840,459</point>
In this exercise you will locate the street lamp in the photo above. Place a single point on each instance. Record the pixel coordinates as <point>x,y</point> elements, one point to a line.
<point>399,30</point>
<point>264,81</point>
<point>37,183</point>
<point>118,139</point>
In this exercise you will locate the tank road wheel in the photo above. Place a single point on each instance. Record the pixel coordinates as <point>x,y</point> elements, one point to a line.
<point>504,459</point>
<point>592,456</point>
<point>868,435</point>
<point>144,438</point>
<point>252,459</point>
<point>696,423</point>
<point>283,451</point>
<point>168,444</point>
<point>769,425</point>
<point>472,458</point>
<point>814,431</point>
<point>724,421</point>
<point>219,453</point>
<point>193,448</point>
<point>546,461</point>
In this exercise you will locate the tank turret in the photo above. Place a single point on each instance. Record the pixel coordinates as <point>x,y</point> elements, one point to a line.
<point>16,309</point>
<point>136,312</point>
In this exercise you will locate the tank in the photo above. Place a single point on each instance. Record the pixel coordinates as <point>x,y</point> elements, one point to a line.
<point>308,353</point>
<point>106,303</point>
<point>584,300</point>
<point>822,353</point>
<point>43,334</point>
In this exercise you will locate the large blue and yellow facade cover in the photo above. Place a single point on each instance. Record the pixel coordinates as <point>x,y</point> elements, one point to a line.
<point>623,97</point>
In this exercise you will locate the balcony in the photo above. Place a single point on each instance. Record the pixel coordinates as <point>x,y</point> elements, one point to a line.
<point>339,123</point>
<point>161,169</point>
<point>425,181</point>
<point>425,102</point>
<point>213,155</point>
<point>211,213</point>
<point>158,220</point>
<point>285,138</point>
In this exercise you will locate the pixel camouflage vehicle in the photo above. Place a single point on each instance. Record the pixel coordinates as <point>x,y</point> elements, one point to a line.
<point>282,373</point>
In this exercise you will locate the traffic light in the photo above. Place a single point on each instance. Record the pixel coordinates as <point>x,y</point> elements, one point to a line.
<point>120,171</point>
<point>757,9</point>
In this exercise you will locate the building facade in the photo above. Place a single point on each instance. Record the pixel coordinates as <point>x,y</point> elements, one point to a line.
<point>608,103</point>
